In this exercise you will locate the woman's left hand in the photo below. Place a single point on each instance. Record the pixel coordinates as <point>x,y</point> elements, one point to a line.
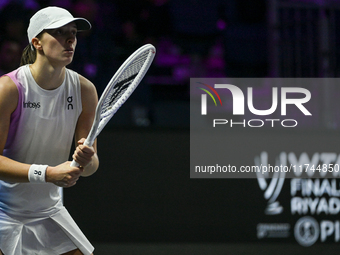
<point>83,154</point>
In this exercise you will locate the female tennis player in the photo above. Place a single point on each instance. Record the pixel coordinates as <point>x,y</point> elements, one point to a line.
<point>43,105</point>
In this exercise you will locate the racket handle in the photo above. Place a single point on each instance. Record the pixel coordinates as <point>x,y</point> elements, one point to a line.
<point>74,163</point>
<point>87,142</point>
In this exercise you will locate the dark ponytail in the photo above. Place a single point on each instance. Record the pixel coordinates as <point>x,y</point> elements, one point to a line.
<point>28,55</point>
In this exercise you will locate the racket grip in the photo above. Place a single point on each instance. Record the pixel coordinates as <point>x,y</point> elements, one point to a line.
<point>74,163</point>
<point>87,142</point>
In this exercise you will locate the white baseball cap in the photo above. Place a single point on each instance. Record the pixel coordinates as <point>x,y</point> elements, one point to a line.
<point>51,18</point>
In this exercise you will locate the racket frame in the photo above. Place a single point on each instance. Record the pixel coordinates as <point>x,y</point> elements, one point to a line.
<point>99,122</point>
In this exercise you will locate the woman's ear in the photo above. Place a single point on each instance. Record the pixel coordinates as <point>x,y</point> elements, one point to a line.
<point>36,43</point>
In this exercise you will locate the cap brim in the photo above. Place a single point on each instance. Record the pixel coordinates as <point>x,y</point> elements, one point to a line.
<point>82,24</point>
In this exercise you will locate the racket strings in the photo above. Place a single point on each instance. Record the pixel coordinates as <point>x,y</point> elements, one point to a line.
<point>123,83</point>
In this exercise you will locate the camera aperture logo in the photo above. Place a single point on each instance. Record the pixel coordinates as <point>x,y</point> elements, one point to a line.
<point>204,98</point>
<point>301,97</point>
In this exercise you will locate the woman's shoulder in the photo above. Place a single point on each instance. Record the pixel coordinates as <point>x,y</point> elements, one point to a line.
<point>86,84</point>
<point>8,92</point>
<point>83,81</point>
<point>89,95</point>
<point>88,89</point>
<point>7,84</point>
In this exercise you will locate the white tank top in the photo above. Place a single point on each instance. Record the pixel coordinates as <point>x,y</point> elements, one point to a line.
<point>41,132</point>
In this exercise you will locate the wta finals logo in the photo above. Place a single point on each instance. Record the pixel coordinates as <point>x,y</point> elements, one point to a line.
<point>271,185</point>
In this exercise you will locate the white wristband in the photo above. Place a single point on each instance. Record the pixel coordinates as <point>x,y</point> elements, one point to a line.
<point>36,173</point>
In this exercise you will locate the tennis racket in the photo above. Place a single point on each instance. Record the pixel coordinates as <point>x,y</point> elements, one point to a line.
<point>118,90</point>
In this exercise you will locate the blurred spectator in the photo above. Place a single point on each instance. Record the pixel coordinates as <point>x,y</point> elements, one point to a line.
<point>245,40</point>
<point>195,24</point>
<point>27,4</point>
<point>157,20</point>
<point>10,54</point>
<point>197,27</point>
<point>143,21</point>
<point>67,4</point>
<point>14,19</point>
<point>94,54</point>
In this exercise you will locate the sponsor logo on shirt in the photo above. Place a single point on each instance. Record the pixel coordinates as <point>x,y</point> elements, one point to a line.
<point>69,103</point>
<point>32,105</point>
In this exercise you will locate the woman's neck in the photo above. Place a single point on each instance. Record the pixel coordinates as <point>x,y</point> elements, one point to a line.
<point>47,76</point>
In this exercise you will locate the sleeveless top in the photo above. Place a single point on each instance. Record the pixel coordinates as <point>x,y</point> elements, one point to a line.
<point>41,132</point>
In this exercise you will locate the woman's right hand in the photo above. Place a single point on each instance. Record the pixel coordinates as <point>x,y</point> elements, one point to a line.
<point>63,175</point>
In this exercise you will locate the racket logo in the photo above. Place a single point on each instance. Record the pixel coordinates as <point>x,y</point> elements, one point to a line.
<point>120,89</point>
<point>204,97</point>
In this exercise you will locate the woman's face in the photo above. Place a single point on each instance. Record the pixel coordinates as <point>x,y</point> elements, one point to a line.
<point>59,44</point>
